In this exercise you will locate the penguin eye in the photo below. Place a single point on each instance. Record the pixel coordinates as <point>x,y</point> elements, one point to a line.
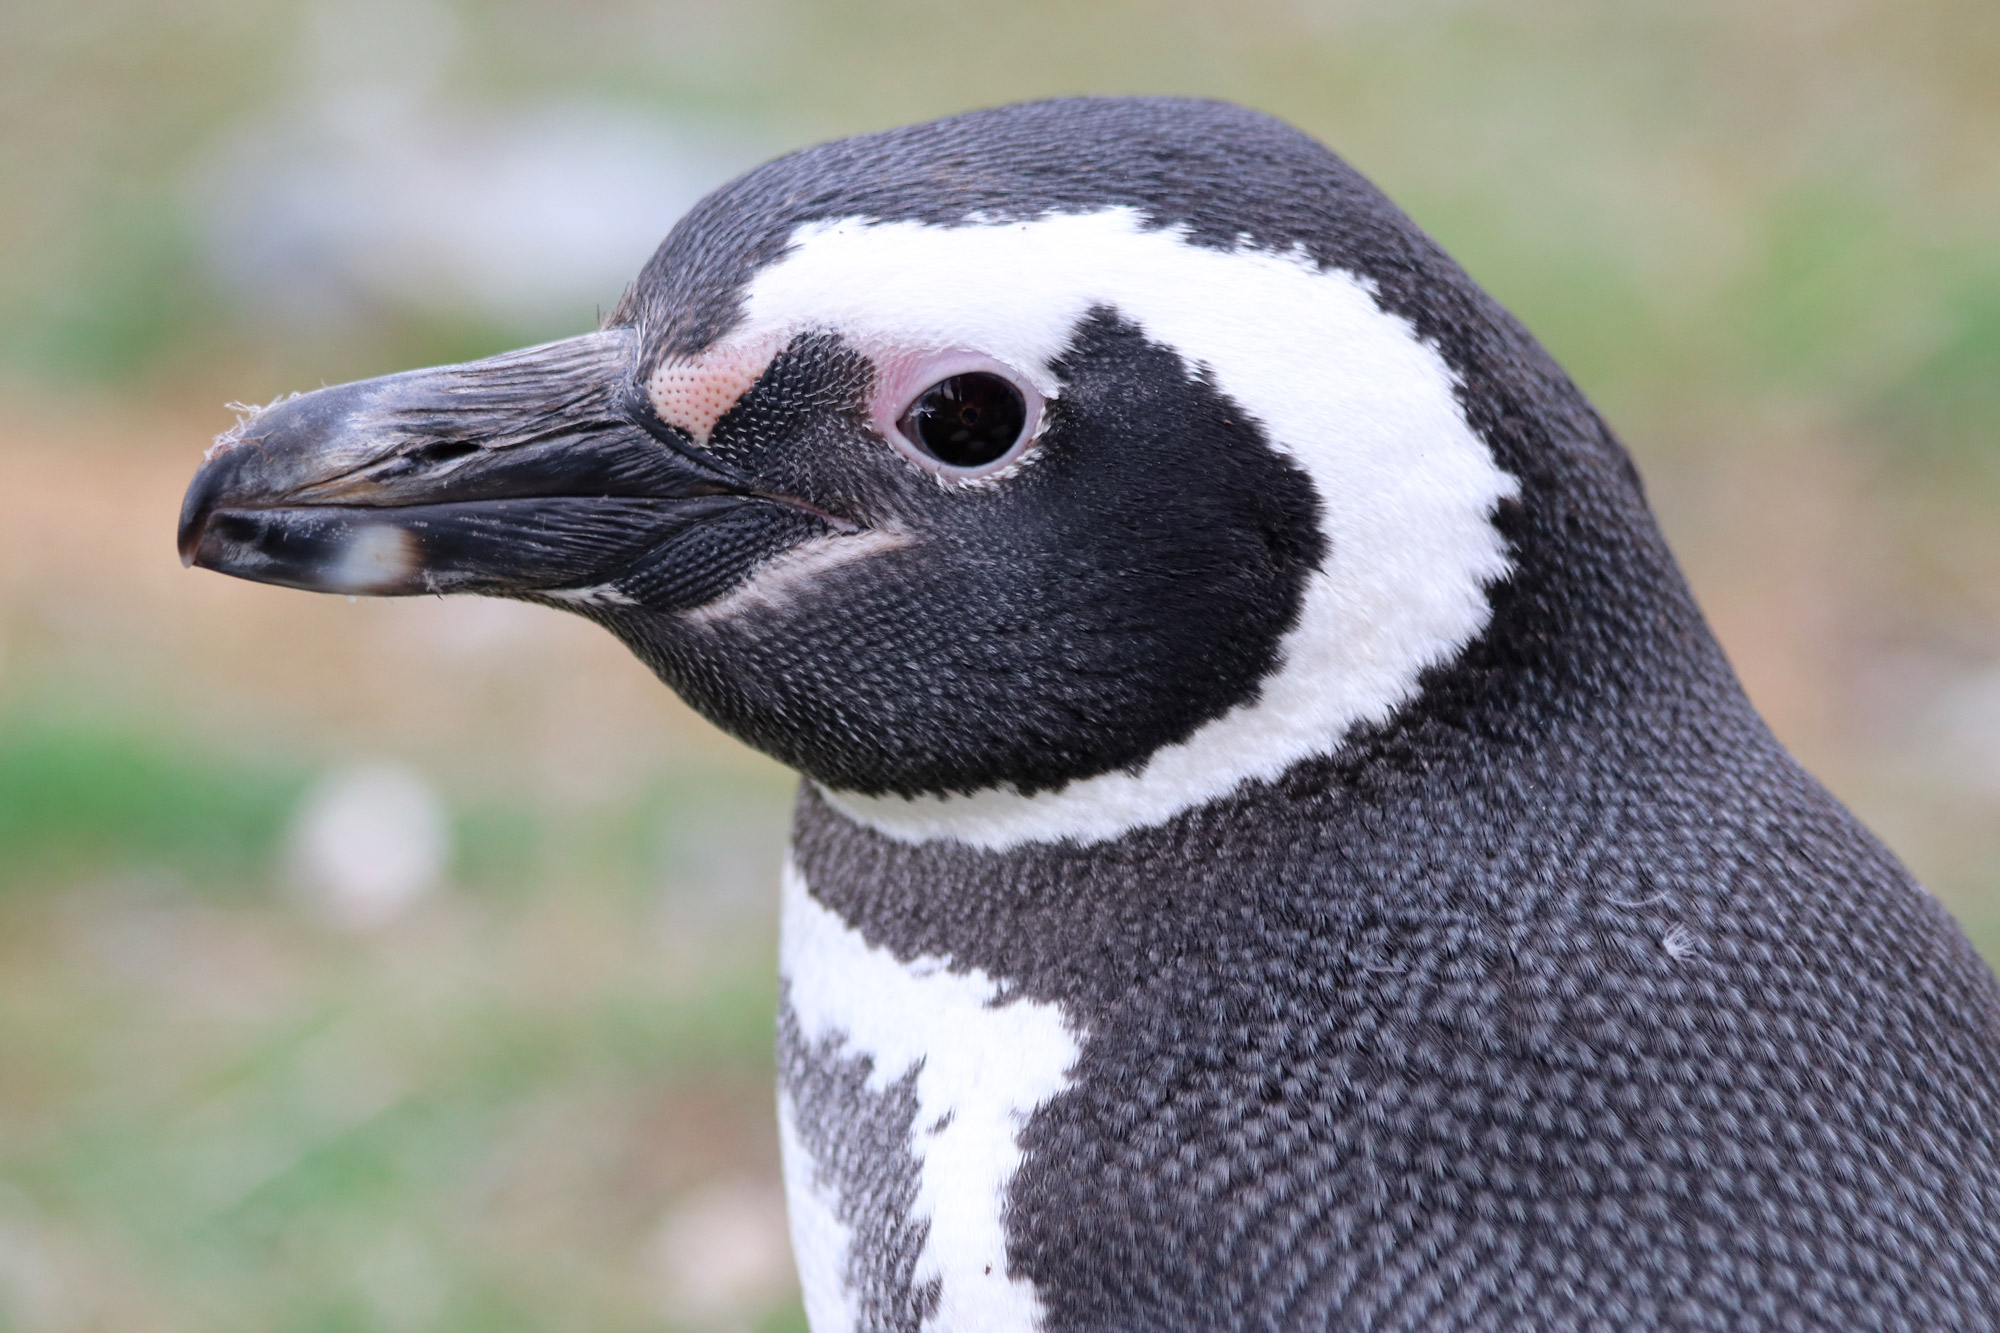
<point>967,420</point>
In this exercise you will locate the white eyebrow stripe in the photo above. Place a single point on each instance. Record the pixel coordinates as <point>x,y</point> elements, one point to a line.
<point>1345,389</point>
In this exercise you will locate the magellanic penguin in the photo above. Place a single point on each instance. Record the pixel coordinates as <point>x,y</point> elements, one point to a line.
<point>1279,847</point>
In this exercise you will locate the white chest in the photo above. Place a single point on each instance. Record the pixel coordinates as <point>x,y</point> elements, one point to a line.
<point>904,1089</point>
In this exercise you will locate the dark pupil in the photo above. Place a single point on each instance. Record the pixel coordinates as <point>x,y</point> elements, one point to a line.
<point>968,420</point>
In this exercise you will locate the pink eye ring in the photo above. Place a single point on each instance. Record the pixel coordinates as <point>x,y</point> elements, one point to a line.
<point>962,416</point>
<point>967,421</point>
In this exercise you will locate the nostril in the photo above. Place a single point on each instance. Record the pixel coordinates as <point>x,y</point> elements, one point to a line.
<point>440,451</point>
<point>420,459</point>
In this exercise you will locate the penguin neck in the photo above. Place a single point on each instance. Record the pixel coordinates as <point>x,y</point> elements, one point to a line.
<point>1491,755</point>
<point>938,999</point>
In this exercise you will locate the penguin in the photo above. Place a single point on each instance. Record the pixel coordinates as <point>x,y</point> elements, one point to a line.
<point>1279,847</point>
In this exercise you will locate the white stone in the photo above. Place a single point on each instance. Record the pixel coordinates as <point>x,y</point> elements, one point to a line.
<point>367,842</point>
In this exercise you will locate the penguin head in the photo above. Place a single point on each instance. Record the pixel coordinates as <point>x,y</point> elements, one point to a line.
<point>1039,472</point>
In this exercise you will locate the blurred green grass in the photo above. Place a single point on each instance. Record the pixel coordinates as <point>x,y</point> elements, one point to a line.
<point>221,1117</point>
<point>1765,239</point>
<point>83,794</point>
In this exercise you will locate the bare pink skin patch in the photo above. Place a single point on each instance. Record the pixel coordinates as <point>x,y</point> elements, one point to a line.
<point>693,393</point>
<point>902,374</point>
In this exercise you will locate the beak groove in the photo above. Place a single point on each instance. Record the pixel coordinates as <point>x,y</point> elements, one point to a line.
<point>526,474</point>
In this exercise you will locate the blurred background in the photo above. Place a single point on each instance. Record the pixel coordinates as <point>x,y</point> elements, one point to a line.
<point>408,965</point>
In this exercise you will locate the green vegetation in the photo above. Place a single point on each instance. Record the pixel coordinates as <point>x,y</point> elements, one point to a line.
<point>87,795</point>
<point>213,1116</point>
<point>1765,239</point>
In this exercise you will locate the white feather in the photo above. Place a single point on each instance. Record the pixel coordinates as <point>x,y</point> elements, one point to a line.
<point>1345,389</point>
<point>983,1062</point>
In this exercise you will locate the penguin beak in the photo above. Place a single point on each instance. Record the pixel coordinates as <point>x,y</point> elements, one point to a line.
<point>530,473</point>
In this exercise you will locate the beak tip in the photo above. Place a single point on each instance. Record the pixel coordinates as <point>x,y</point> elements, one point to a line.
<point>222,474</point>
<point>194,522</point>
